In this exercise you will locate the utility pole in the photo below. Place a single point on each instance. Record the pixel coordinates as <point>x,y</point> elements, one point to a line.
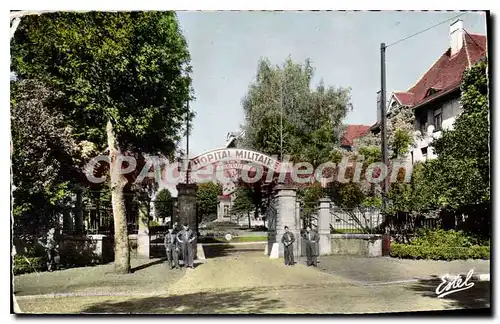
<point>383,123</point>
<point>281,116</point>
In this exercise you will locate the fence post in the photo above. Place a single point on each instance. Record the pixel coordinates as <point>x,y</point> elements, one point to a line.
<point>325,244</point>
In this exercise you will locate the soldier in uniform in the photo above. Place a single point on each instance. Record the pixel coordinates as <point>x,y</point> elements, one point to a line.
<point>185,238</point>
<point>288,239</point>
<point>311,238</point>
<point>51,247</point>
<point>172,248</point>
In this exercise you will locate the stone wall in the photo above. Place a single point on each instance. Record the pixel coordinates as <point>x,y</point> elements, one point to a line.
<point>367,245</point>
<point>87,249</point>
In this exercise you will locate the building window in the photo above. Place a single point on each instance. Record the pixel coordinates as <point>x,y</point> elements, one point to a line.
<point>423,124</point>
<point>412,158</point>
<point>424,152</point>
<point>226,211</point>
<point>438,119</point>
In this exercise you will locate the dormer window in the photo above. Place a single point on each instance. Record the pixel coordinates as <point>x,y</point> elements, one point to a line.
<point>431,91</point>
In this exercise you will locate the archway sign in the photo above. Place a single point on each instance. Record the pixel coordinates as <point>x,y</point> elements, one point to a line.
<point>225,165</point>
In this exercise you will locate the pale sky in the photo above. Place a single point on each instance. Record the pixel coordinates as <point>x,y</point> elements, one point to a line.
<point>344,48</point>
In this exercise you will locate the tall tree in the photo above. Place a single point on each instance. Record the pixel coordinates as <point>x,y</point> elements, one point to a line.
<point>125,80</point>
<point>312,119</point>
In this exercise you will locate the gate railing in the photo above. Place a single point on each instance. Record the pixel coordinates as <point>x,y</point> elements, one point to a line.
<point>309,215</point>
<point>271,213</point>
<point>355,220</point>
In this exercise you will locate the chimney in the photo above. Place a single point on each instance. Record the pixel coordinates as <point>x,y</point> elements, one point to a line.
<point>456,37</point>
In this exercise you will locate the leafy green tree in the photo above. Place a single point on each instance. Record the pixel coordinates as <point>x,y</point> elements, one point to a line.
<point>309,197</point>
<point>207,200</point>
<point>312,119</point>
<point>418,196</point>
<point>163,204</point>
<point>44,157</point>
<point>125,83</point>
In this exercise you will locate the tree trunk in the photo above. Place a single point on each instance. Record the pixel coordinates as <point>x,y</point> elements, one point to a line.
<point>118,182</point>
<point>249,223</point>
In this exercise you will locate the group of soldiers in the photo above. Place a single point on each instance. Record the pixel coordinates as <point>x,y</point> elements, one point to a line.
<point>311,239</point>
<point>180,243</point>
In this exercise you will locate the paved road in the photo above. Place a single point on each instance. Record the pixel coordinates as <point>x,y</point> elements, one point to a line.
<point>374,270</point>
<point>247,282</point>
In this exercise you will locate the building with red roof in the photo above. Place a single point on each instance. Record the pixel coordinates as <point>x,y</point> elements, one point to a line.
<point>435,97</point>
<point>351,133</point>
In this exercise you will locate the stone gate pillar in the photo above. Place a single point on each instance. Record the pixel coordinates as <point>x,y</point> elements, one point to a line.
<point>298,226</point>
<point>186,206</point>
<point>286,216</point>
<point>325,244</point>
<point>143,241</point>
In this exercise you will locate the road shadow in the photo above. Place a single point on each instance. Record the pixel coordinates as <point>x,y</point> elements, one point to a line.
<point>219,250</point>
<point>245,301</point>
<point>147,265</point>
<point>478,296</point>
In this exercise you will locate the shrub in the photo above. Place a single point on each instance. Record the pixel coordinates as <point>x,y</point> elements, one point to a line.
<point>410,251</point>
<point>443,238</point>
<point>24,264</point>
<point>439,244</point>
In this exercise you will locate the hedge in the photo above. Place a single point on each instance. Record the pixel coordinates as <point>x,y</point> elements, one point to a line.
<point>408,251</point>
